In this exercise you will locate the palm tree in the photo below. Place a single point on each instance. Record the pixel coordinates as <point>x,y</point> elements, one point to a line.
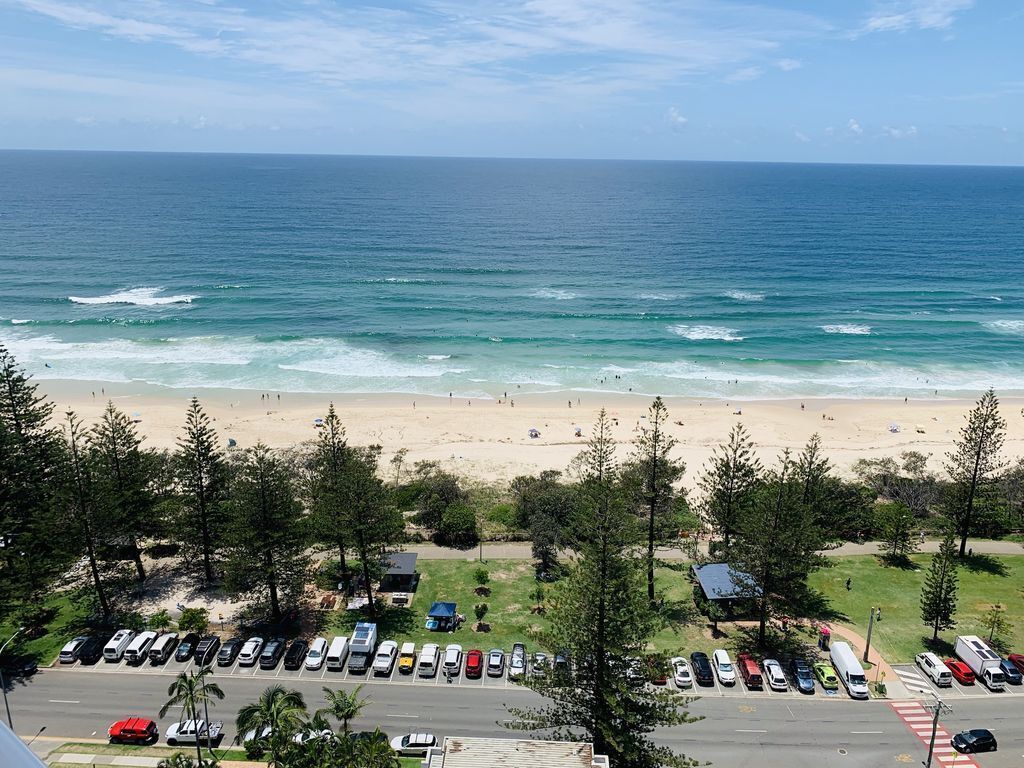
<point>280,710</point>
<point>190,690</point>
<point>344,706</point>
<point>375,752</point>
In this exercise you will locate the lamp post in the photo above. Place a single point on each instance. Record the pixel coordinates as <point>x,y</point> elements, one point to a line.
<point>3,683</point>
<point>871,625</point>
<point>940,707</point>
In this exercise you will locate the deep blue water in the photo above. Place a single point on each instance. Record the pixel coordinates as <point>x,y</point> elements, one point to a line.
<point>350,274</point>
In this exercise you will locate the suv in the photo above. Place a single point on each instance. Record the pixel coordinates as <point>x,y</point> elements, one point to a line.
<point>750,671</point>
<point>134,730</point>
<point>702,672</point>
<point>250,652</point>
<point>803,675</point>
<point>723,667</point>
<point>206,650</point>
<point>229,652</point>
<point>69,653</point>
<point>975,740</point>
<point>187,647</point>
<point>932,666</point>
<point>272,653</point>
<point>517,661</point>
<point>296,654</point>
<point>452,663</point>
<point>495,662</point>
<point>474,663</point>
<point>92,649</point>
<point>1010,672</point>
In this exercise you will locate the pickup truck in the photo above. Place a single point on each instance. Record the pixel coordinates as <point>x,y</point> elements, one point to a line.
<point>191,731</point>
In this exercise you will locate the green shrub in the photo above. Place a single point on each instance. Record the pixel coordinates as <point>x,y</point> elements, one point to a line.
<point>194,620</point>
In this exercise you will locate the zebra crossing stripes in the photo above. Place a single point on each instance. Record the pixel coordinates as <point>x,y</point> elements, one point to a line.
<point>912,680</point>
<point>919,721</point>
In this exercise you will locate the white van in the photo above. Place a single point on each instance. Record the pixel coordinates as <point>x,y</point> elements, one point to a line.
<point>115,647</point>
<point>337,653</point>
<point>849,670</point>
<point>933,666</point>
<point>427,666</point>
<point>163,647</point>
<point>138,649</point>
<point>317,651</point>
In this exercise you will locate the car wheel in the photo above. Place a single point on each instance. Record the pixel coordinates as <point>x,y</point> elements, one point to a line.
<point>172,742</point>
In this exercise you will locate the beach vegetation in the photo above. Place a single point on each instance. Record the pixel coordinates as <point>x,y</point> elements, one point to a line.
<point>895,525</point>
<point>729,483</point>
<point>939,592</point>
<point>194,620</point>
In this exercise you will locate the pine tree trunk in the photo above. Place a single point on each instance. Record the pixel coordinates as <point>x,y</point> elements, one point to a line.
<point>275,607</point>
<point>140,571</point>
<point>97,581</point>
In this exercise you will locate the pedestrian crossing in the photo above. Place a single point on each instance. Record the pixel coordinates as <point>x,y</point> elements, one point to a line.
<point>912,680</point>
<point>919,721</point>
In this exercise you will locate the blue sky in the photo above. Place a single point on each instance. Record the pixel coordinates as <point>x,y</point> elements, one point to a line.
<point>915,81</point>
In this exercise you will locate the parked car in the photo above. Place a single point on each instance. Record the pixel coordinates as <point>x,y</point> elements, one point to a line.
<point>933,667</point>
<point>229,651</point>
<point>187,647</point>
<point>118,644</point>
<point>702,671</point>
<point>133,730</point>
<point>826,676</point>
<point>191,731</point>
<point>681,673</point>
<point>1017,659</point>
<point>452,663</point>
<point>562,665</point>
<point>775,676</point>
<point>495,662</point>
<point>723,667</point>
<point>387,652</point>
<point>317,652</point>
<point>206,650</point>
<point>803,675</point>
<point>407,658</point>
<point>974,740</point>
<point>475,663</point>
<point>960,671</point>
<point>413,744</point>
<point>517,662</point>
<point>296,654</point>
<point>1010,672</point>
<point>539,664</point>
<point>138,649</point>
<point>18,666</point>
<point>272,652</point>
<point>750,671</point>
<point>92,650</point>
<point>163,648</point>
<point>430,658</point>
<point>250,651</point>
<point>69,653</point>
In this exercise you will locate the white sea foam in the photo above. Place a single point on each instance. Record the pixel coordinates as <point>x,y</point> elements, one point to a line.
<point>705,332</point>
<point>658,296</point>
<point>996,298</point>
<point>140,297</point>
<point>744,295</point>
<point>1014,327</point>
<point>554,293</point>
<point>20,322</point>
<point>495,339</point>
<point>436,357</point>
<point>851,329</point>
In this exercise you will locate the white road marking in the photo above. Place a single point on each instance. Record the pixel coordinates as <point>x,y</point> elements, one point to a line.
<point>866,732</point>
<point>749,730</point>
<point>64,701</point>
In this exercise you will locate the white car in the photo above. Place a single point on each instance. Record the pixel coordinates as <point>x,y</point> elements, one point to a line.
<point>775,675</point>
<point>385,658</point>
<point>681,672</point>
<point>250,652</point>
<point>723,667</point>
<point>413,744</point>
<point>517,662</point>
<point>452,659</point>
<point>189,731</point>
<point>317,651</point>
<point>69,653</point>
<point>118,644</point>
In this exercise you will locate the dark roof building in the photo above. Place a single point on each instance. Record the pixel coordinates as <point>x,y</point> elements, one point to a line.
<point>718,581</point>
<point>400,575</point>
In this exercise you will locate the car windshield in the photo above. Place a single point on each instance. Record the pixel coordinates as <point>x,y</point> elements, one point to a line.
<point>858,680</point>
<point>725,666</point>
<point>314,654</point>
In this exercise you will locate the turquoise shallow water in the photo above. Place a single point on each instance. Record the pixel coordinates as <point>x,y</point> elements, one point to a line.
<point>347,274</point>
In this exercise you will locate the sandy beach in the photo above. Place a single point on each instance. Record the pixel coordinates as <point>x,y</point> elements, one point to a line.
<point>489,440</point>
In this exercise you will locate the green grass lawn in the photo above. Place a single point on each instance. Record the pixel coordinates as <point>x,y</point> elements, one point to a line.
<point>69,615</point>
<point>143,751</point>
<point>984,580</point>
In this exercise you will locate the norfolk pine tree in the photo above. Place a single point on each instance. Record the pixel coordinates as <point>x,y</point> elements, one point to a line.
<point>601,615</point>
<point>266,534</point>
<point>895,524</point>
<point>202,477</point>
<point>327,485</point>
<point>973,462</point>
<point>729,482</point>
<point>938,594</point>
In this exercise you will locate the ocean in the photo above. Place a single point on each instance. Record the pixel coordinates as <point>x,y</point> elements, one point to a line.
<point>479,277</point>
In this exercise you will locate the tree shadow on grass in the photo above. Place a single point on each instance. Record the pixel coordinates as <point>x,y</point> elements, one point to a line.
<point>778,644</point>
<point>984,563</point>
<point>815,605</point>
<point>939,647</point>
<point>902,562</point>
<point>391,621</point>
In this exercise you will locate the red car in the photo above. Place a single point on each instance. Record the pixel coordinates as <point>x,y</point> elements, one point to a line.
<point>474,663</point>
<point>960,671</point>
<point>1017,659</point>
<point>133,730</point>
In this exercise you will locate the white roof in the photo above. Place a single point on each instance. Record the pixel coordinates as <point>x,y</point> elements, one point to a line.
<point>463,752</point>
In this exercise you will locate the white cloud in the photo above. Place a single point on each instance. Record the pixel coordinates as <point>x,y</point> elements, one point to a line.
<point>744,75</point>
<point>788,65</point>
<point>801,137</point>
<point>900,133</point>
<point>903,15</point>
<point>854,127</point>
<point>675,120</point>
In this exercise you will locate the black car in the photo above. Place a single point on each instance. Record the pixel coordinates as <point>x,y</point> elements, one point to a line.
<point>206,650</point>
<point>1010,672</point>
<point>272,653</point>
<point>803,675</point>
<point>19,666</point>
<point>975,740</point>
<point>187,647</point>
<point>296,654</point>
<point>229,651</point>
<point>702,668</point>
<point>92,649</point>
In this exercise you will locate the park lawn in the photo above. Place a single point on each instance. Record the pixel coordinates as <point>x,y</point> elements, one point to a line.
<point>984,580</point>
<point>89,748</point>
<point>69,616</point>
<point>410,762</point>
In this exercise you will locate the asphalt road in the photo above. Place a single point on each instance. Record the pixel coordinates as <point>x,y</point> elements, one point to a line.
<point>735,731</point>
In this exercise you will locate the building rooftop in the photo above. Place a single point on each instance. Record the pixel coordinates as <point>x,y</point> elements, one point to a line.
<point>460,752</point>
<point>720,582</point>
<point>401,564</point>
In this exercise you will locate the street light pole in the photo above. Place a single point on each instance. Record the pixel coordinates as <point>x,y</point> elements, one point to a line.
<point>3,683</point>
<point>871,624</point>
<point>940,706</point>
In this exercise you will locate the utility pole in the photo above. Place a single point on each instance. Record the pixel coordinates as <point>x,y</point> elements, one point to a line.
<point>940,706</point>
<point>871,625</point>
<point>3,683</point>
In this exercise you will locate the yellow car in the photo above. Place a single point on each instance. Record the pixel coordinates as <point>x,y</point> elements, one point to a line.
<point>407,658</point>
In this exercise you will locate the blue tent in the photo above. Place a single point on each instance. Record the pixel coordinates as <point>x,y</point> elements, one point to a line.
<point>442,611</point>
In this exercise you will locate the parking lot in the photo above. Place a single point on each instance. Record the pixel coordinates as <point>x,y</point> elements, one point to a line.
<point>919,684</point>
<point>328,676</point>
